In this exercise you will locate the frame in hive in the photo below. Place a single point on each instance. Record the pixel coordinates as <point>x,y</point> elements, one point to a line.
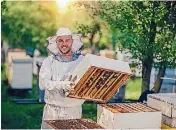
<point>99,84</point>
<point>72,124</point>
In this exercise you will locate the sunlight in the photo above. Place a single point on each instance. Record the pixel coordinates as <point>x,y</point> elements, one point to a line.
<point>62,4</point>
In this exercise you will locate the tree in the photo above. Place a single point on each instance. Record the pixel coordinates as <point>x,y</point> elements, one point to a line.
<point>143,28</point>
<point>94,29</point>
<point>166,55</point>
<point>146,29</point>
<point>91,31</point>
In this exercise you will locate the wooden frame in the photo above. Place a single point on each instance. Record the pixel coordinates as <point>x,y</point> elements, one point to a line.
<point>128,107</point>
<point>99,84</point>
<point>49,124</point>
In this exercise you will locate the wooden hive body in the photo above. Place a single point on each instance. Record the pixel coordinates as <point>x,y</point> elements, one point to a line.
<point>128,116</point>
<point>166,102</point>
<point>99,78</point>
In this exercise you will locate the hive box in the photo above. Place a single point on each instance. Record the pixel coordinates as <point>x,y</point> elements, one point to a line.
<point>107,53</point>
<point>166,102</point>
<point>21,73</point>
<point>99,78</point>
<point>71,124</point>
<point>169,121</point>
<point>128,116</point>
<point>14,53</point>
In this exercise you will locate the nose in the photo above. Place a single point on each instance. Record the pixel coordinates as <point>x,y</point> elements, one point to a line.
<point>64,43</point>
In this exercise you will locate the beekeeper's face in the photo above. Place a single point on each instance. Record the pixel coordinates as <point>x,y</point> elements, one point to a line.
<point>64,43</point>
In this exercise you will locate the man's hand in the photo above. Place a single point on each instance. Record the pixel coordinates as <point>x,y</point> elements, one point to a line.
<point>65,85</point>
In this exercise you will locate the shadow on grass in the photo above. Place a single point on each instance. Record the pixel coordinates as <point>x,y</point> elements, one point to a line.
<point>17,93</point>
<point>89,111</point>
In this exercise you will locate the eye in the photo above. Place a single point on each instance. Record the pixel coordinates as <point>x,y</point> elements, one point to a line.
<point>59,40</point>
<point>67,40</point>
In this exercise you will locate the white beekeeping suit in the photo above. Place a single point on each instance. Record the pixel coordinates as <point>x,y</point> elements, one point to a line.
<point>51,79</point>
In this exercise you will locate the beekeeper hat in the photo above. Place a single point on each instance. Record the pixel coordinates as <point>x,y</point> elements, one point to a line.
<point>52,45</point>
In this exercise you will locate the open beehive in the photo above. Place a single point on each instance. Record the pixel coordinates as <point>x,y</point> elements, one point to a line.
<point>128,116</point>
<point>100,78</point>
<point>166,102</point>
<point>71,124</point>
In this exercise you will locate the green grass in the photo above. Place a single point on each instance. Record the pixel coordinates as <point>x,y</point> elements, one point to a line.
<point>133,89</point>
<point>20,116</point>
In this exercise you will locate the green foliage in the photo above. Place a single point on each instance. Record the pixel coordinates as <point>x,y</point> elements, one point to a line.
<point>94,29</point>
<point>133,89</point>
<point>25,24</point>
<point>145,28</point>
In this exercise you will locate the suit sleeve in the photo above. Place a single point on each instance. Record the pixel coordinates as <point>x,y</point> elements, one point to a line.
<point>45,82</point>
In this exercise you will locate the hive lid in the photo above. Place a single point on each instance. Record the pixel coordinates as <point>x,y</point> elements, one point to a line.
<point>169,98</point>
<point>22,59</point>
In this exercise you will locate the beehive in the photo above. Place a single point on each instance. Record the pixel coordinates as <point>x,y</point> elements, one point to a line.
<point>71,124</point>
<point>108,53</point>
<point>166,102</point>
<point>128,116</point>
<point>21,69</point>
<point>99,78</point>
<point>12,53</point>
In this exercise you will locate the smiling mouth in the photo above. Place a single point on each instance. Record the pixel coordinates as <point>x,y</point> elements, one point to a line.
<point>64,47</point>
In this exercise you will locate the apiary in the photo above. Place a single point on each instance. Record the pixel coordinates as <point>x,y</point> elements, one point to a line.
<point>128,116</point>
<point>71,124</point>
<point>166,102</point>
<point>99,78</point>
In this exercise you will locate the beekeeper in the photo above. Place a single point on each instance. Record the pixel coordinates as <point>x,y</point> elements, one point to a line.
<point>64,49</point>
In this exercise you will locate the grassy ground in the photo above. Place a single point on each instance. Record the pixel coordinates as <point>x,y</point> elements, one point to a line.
<point>133,89</point>
<point>20,116</point>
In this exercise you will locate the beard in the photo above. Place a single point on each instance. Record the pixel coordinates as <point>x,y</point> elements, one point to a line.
<point>65,52</point>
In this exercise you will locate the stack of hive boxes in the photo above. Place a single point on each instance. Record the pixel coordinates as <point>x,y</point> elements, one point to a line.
<point>166,102</point>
